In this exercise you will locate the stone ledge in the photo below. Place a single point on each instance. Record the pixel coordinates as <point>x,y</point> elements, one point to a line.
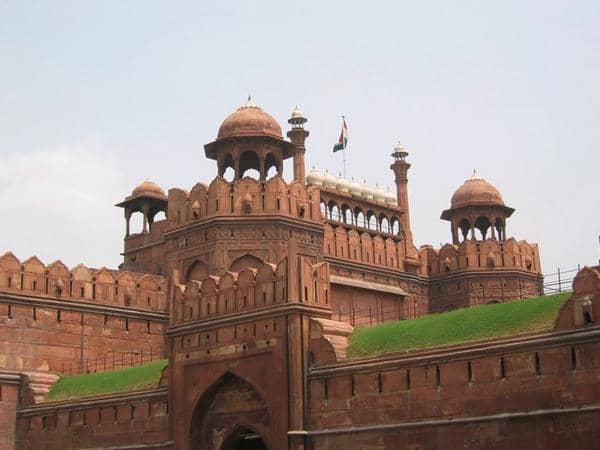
<point>28,300</point>
<point>94,402</point>
<point>454,421</point>
<point>458,351</point>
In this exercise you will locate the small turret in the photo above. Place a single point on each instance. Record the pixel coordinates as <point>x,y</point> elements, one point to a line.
<point>298,137</point>
<point>400,168</point>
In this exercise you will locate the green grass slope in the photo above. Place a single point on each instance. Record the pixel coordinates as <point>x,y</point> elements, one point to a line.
<point>145,376</point>
<point>462,325</point>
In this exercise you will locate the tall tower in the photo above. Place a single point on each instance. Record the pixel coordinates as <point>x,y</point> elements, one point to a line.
<point>400,168</point>
<point>298,135</point>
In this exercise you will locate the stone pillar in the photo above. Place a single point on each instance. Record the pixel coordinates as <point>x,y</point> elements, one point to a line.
<point>236,168</point>
<point>145,211</point>
<point>261,169</point>
<point>298,137</point>
<point>400,169</point>
<point>455,231</point>
<point>127,222</point>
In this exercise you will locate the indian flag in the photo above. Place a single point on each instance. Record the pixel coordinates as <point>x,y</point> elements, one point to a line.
<point>343,140</point>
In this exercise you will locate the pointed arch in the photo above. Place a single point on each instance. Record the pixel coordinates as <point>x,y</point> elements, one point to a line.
<point>245,261</point>
<point>198,270</point>
<point>213,411</point>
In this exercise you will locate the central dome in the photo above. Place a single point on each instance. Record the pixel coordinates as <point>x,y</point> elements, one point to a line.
<point>476,191</point>
<point>249,120</point>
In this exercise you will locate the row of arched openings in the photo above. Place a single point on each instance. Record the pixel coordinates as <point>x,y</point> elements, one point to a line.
<point>250,165</point>
<point>361,219</point>
<point>481,229</point>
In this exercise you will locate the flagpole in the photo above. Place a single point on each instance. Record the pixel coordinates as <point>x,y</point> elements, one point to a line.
<point>344,148</point>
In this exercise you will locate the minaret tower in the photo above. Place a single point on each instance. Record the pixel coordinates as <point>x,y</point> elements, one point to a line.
<point>400,168</point>
<point>298,135</point>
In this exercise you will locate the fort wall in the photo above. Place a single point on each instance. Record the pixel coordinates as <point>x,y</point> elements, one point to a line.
<point>139,419</point>
<point>10,391</point>
<point>546,384</point>
<point>53,319</point>
<point>478,272</point>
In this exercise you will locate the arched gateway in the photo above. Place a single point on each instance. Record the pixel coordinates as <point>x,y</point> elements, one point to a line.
<point>231,415</point>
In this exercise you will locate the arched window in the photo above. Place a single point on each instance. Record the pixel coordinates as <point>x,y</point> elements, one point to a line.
<point>136,223</point>
<point>250,163</point>
<point>361,220</point>
<point>270,166</point>
<point>229,174</point>
<point>372,221</point>
<point>482,224</point>
<point>464,226</point>
<point>324,211</point>
<point>335,212</point>
<point>396,229</point>
<point>385,224</point>
<point>346,214</point>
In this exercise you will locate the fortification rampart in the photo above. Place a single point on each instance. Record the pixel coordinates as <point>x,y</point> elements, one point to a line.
<point>251,289</point>
<point>138,419</point>
<point>485,254</point>
<point>101,286</point>
<point>53,319</point>
<point>242,197</point>
<point>475,396</point>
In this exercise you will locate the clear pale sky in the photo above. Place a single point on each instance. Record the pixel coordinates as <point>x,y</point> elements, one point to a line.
<point>96,96</point>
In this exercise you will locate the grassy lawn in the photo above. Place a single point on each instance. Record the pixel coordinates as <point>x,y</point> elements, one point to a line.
<point>463,325</point>
<point>132,378</point>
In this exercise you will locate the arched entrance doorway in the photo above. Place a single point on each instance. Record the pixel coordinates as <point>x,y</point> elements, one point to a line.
<point>244,439</point>
<point>231,415</point>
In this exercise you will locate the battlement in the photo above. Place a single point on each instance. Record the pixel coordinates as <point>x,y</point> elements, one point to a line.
<point>105,286</point>
<point>380,250</point>
<point>485,254</point>
<point>243,197</point>
<point>251,289</point>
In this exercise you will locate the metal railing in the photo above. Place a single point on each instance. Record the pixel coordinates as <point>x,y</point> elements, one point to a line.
<point>112,361</point>
<point>559,281</point>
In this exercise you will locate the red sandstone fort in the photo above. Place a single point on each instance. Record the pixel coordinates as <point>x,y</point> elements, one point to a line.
<point>251,287</point>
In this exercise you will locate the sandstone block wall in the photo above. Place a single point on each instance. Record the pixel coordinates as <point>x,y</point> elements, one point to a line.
<point>553,380</point>
<point>136,418</point>
<point>10,384</point>
<point>48,338</point>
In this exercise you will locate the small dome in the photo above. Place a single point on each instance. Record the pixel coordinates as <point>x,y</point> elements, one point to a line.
<point>476,191</point>
<point>354,188</point>
<point>249,120</point>
<point>390,198</point>
<point>366,191</point>
<point>329,180</point>
<point>148,187</point>
<point>297,114</point>
<point>314,178</point>
<point>342,184</point>
<point>379,194</point>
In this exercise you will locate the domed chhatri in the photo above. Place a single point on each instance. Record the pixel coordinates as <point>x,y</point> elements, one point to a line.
<point>476,191</point>
<point>249,120</point>
<point>477,205</point>
<point>251,139</point>
<point>148,187</point>
<point>314,177</point>
<point>329,181</point>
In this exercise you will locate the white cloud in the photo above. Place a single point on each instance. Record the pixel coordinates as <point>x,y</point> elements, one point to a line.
<point>58,204</point>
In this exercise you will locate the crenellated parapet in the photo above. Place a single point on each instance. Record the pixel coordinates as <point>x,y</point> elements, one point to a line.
<point>365,248</point>
<point>251,289</point>
<point>488,254</point>
<point>105,286</point>
<point>244,197</point>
